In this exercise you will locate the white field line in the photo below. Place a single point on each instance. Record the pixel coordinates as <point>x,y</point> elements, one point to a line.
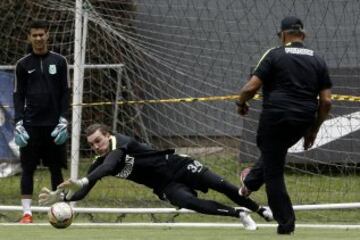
<point>309,207</point>
<point>190,225</point>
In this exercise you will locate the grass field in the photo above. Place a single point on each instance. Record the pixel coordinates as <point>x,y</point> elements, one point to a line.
<point>111,192</point>
<point>146,233</point>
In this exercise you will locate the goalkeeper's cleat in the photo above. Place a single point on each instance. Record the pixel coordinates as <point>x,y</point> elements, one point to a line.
<point>27,218</point>
<point>244,191</point>
<point>247,221</point>
<point>266,213</point>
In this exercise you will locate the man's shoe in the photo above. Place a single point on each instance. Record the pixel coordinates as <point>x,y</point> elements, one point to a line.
<point>27,218</point>
<point>247,221</point>
<point>244,191</point>
<point>266,213</point>
<point>286,230</point>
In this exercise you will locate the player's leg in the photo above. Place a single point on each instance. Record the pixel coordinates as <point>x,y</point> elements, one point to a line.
<point>54,157</point>
<point>56,176</point>
<point>278,197</point>
<point>273,142</point>
<point>196,176</point>
<point>184,197</point>
<point>273,152</point>
<point>252,178</point>
<point>29,162</point>
<point>213,181</point>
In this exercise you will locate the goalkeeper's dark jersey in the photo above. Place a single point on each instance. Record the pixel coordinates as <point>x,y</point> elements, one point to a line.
<point>41,91</point>
<point>135,161</point>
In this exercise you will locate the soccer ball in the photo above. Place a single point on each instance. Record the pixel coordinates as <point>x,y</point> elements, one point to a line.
<point>61,215</point>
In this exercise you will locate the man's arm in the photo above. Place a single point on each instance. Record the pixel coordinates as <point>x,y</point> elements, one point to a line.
<point>107,168</point>
<point>80,194</point>
<point>65,83</point>
<point>19,93</point>
<point>47,197</point>
<point>322,114</point>
<point>76,190</point>
<point>247,92</point>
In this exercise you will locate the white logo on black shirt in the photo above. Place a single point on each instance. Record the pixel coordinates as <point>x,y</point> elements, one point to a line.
<point>300,51</point>
<point>52,69</point>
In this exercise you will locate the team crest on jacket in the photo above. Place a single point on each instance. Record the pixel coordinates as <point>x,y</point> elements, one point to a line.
<point>52,69</point>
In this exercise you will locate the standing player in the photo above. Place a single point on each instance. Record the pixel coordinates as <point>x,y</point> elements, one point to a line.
<point>172,177</point>
<point>296,100</point>
<point>41,100</point>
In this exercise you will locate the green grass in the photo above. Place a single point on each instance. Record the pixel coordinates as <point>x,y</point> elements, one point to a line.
<point>304,188</point>
<point>146,233</point>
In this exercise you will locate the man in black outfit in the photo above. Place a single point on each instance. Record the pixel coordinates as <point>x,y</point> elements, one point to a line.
<point>41,100</point>
<point>172,177</point>
<point>296,100</point>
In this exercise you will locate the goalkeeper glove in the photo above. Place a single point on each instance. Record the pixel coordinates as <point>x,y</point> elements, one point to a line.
<point>21,135</point>
<point>60,131</point>
<point>72,186</point>
<point>47,197</point>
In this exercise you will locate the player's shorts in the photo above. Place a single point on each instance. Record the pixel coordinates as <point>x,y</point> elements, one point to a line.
<point>42,149</point>
<point>188,171</point>
<point>177,193</point>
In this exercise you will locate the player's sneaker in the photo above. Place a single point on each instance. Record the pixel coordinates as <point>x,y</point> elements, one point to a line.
<point>266,213</point>
<point>247,221</point>
<point>27,218</point>
<point>287,231</point>
<point>244,191</point>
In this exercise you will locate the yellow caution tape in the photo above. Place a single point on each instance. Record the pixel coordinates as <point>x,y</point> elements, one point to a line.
<point>336,97</point>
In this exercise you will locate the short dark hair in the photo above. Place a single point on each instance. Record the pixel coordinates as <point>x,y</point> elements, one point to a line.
<point>292,25</point>
<point>104,129</point>
<point>39,24</point>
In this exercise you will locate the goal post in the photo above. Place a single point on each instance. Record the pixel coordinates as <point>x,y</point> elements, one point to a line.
<point>166,72</point>
<point>78,84</point>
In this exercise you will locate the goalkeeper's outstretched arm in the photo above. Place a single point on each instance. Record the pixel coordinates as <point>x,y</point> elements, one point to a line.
<point>108,167</point>
<point>48,197</point>
<point>78,189</point>
<point>80,194</point>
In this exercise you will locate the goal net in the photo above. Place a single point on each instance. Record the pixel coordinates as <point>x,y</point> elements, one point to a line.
<point>183,64</point>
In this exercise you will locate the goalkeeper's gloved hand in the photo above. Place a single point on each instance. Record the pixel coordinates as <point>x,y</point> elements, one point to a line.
<point>21,135</point>
<point>60,132</point>
<point>72,186</point>
<point>47,197</point>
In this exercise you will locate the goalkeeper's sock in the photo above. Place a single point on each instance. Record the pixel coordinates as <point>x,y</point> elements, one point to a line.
<point>26,204</point>
<point>265,213</point>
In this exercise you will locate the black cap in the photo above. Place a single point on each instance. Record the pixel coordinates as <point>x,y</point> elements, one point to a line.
<point>291,23</point>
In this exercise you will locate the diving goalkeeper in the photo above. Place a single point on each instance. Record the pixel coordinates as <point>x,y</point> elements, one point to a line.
<point>172,177</point>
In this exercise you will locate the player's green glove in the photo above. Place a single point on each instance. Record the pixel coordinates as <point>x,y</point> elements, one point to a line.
<point>21,135</point>
<point>60,132</point>
<point>72,186</point>
<point>47,197</point>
